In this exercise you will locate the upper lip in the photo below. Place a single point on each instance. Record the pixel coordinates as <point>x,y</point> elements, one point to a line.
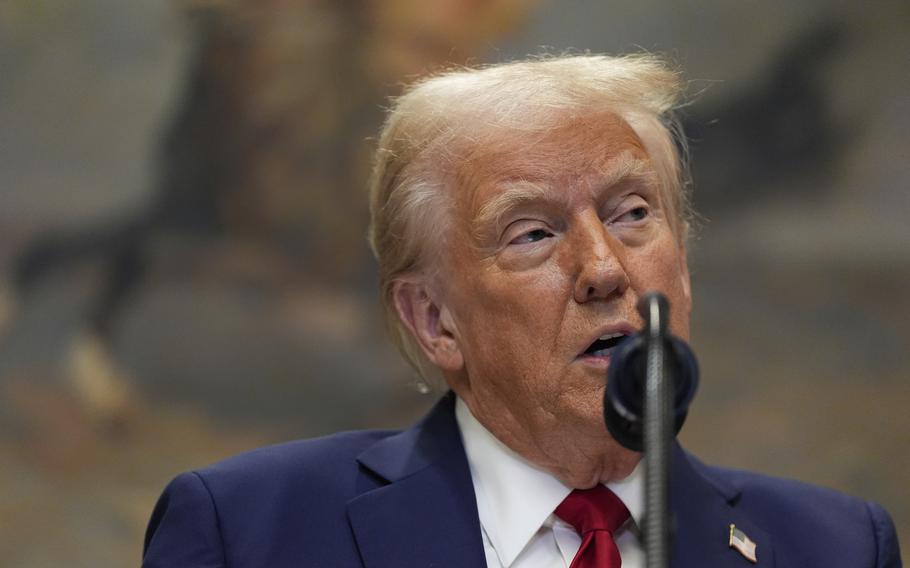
<point>623,328</point>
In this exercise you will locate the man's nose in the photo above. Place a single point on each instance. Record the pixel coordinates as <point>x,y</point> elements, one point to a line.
<point>600,263</point>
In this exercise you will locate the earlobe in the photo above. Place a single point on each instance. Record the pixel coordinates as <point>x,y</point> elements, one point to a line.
<point>429,323</point>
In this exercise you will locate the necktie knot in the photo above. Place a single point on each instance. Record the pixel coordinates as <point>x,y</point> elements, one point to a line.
<point>595,513</point>
<point>593,509</point>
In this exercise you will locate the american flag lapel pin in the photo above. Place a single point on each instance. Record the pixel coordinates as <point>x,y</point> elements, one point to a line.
<point>743,544</point>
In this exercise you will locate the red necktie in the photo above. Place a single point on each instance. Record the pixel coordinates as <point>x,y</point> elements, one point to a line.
<point>595,513</point>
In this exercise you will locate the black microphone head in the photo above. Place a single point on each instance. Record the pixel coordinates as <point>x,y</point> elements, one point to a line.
<point>624,395</point>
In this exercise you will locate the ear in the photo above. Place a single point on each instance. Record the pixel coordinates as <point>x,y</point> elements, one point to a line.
<point>684,276</point>
<point>431,324</point>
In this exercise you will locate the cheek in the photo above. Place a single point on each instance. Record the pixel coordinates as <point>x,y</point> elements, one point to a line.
<point>511,321</point>
<point>520,302</point>
<point>660,268</point>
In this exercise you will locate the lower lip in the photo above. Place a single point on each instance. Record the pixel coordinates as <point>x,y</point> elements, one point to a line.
<point>598,362</point>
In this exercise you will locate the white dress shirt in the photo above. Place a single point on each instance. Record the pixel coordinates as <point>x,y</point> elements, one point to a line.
<point>516,500</point>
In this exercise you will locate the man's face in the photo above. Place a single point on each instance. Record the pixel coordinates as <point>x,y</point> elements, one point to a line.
<point>552,244</point>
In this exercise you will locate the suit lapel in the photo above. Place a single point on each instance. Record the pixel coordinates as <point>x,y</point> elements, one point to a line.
<point>704,508</point>
<point>418,506</point>
<point>424,512</point>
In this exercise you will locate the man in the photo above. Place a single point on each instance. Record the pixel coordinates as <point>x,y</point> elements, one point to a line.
<point>518,213</point>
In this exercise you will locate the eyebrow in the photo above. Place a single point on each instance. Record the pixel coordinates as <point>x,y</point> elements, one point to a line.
<point>523,192</point>
<point>622,169</point>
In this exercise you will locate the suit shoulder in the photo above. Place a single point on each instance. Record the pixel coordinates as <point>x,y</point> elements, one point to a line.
<point>315,461</point>
<point>789,507</point>
<point>239,504</point>
<point>780,494</point>
<point>341,446</point>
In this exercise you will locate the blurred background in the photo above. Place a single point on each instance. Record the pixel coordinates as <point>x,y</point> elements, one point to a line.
<point>184,274</point>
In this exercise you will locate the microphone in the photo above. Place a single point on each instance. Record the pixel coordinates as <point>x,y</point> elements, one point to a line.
<point>625,392</point>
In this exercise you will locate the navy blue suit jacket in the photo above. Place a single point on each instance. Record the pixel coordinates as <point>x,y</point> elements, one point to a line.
<point>400,499</point>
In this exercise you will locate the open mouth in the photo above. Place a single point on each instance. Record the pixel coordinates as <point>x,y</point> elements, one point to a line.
<point>604,345</point>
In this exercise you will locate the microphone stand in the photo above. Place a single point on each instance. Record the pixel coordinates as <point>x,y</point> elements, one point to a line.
<point>657,431</point>
<point>651,381</point>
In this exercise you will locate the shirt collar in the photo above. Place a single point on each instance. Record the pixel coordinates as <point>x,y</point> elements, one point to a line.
<point>514,497</point>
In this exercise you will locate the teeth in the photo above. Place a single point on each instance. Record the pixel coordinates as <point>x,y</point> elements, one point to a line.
<point>611,336</point>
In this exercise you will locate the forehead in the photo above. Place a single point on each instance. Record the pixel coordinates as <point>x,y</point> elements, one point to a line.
<point>579,150</point>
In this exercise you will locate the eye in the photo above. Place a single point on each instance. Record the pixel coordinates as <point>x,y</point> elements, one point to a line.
<point>635,214</point>
<point>532,236</point>
<point>633,209</point>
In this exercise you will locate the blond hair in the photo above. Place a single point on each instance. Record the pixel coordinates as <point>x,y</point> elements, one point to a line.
<point>438,119</point>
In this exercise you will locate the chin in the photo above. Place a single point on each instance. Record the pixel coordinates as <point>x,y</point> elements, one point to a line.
<point>614,463</point>
<point>622,466</point>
